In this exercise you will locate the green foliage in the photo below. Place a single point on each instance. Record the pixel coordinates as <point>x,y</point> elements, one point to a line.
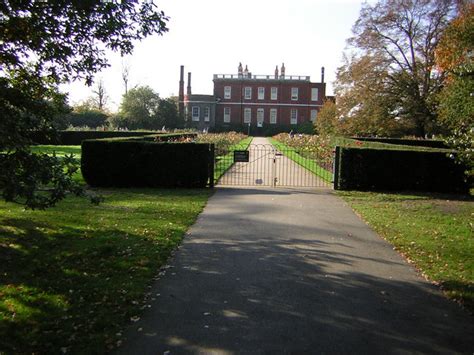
<point>124,163</point>
<point>37,180</point>
<point>327,122</point>
<point>139,109</point>
<point>432,231</point>
<point>91,119</point>
<point>168,114</point>
<point>47,43</point>
<point>74,275</point>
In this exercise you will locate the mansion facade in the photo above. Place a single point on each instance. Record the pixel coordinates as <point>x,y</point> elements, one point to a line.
<point>253,103</point>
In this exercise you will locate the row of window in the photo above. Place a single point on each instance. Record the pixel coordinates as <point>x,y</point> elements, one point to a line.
<point>196,113</point>
<point>273,115</point>
<point>273,93</point>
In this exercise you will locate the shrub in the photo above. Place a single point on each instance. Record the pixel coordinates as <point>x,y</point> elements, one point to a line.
<point>377,169</point>
<point>124,163</point>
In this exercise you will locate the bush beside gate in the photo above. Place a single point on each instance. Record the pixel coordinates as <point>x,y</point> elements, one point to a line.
<point>377,169</point>
<point>123,163</point>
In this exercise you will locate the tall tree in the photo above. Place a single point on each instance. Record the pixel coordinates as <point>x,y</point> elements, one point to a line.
<point>125,75</point>
<point>44,44</point>
<point>402,36</point>
<point>100,95</point>
<point>455,57</point>
<point>363,104</point>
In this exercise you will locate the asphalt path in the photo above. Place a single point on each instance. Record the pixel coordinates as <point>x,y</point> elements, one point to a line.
<point>268,270</point>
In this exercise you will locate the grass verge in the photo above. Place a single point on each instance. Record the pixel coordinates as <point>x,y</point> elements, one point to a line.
<point>435,232</point>
<point>306,163</point>
<point>73,276</point>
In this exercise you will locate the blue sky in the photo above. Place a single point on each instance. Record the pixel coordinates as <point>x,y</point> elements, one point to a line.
<point>212,36</point>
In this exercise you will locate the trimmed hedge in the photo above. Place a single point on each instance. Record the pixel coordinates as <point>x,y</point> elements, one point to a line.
<point>122,163</point>
<point>430,143</point>
<point>376,169</point>
<point>76,137</point>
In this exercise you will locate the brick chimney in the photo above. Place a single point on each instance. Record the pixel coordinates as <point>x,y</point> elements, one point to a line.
<point>188,91</point>
<point>181,92</point>
<point>322,74</point>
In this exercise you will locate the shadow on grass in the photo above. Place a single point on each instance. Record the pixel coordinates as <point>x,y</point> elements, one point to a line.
<point>72,288</point>
<point>412,195</point>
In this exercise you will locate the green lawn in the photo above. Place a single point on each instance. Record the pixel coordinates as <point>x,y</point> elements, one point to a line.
<point>435,232</point>
<point>60,150</point>
<point>309,164</point>
<point>73,276</point>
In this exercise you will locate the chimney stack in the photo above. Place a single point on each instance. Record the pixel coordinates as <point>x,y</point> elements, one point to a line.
<point>322,74</point>
<point>189,84</point>
<point>283,70</point>
<point>181,92</point>
<point>240,70</point>
<point>276,72</point>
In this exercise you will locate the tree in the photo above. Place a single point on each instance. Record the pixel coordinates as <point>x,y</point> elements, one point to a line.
<point>44,44</point>
<point>125,75</point>
<point>168,113</point>
<point>140,109</point>
<point>455,57</point>
<point>364,106</point>
<point>100,96</point>
<point>87,114</point>
<point>401,37</point>
<point>327,122</point>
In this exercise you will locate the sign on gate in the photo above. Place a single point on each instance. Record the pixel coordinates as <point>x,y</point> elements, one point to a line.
<point>241,156</point>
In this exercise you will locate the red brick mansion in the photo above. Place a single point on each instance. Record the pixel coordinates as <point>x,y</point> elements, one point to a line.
<point>255,103</point>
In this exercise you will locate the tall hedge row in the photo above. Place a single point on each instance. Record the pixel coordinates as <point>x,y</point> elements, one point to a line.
<point>376,169</point>
<point>118,163</point>
<point>430,143</point>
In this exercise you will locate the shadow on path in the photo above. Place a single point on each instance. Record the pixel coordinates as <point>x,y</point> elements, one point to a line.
<point>285,271</point>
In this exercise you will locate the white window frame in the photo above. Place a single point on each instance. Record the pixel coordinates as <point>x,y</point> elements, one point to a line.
<point>294,94</point>
<point>273,115</point>
<point>261,93</point>
<point>294,116</point>
<point>247,115</point>
<point>314,115</point>
<point>314,94</point>
<point>274,93</point>
<point>226,114</point>
<point>207,114</point>
<point>196,111</point>
<point>227,92</point>
<point>248,93</point>
<point>260,114</point>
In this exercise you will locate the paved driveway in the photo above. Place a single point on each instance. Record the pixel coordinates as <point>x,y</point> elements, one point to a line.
<point>293,271</point>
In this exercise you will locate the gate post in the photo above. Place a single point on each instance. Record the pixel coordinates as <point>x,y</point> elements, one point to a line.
<point>212,160</point>
<point>337,154</point>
